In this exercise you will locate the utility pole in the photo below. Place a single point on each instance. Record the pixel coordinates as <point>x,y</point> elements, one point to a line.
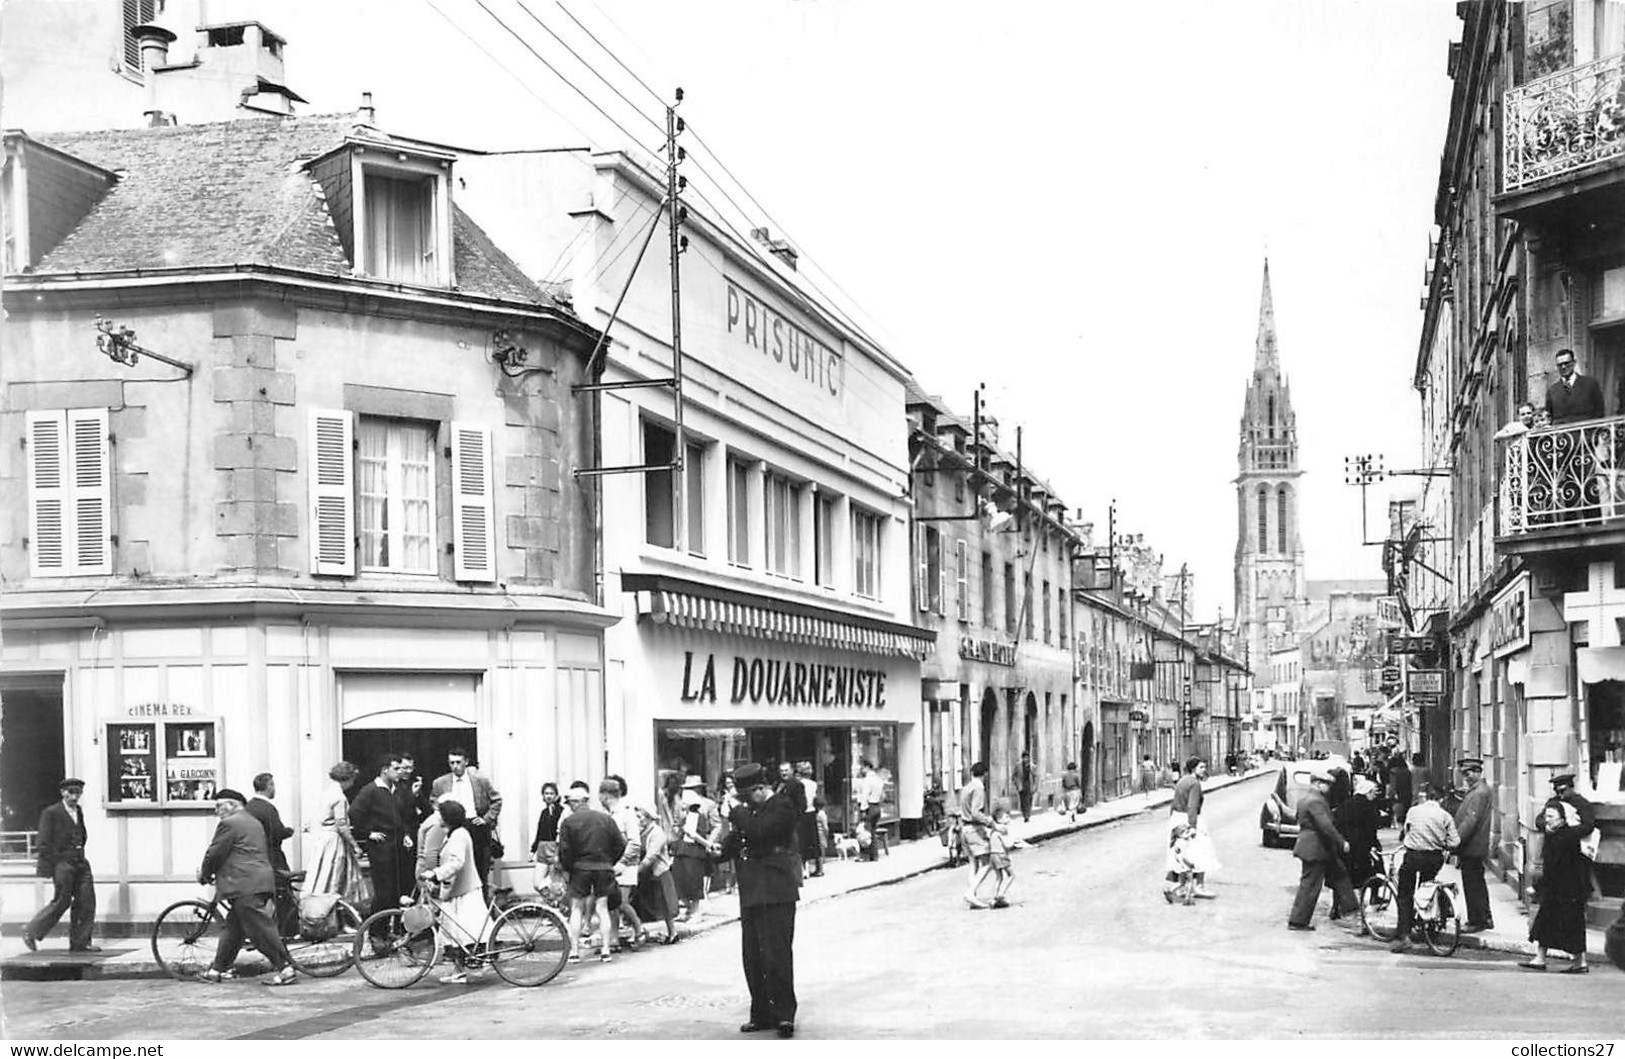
<point>675,215</point>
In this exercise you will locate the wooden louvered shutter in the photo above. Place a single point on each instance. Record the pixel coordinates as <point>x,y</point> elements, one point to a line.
<point>332,493</point>
<point>92,491</point>
<point>47,493</point>
<point>473,529</point>
<point>922,599</point>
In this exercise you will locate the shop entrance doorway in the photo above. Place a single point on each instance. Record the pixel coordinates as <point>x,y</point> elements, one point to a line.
<point>1086,762</point>
<point>990,717</point>
<point>428,747</point>
<point>32,761</point>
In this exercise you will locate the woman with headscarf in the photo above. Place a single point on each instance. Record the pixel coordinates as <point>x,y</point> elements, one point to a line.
<point>1356,821</point>
<point>463,915</point>
<point>1561,891</point>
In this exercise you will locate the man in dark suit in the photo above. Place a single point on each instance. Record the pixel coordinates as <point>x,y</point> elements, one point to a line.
<point>240,868</point>
<point>1573,396</point>
<point>61,845</point>
<point>1472,821</point>
<point>1321,849</point>
<point>763,842</point>
<point>261,808</point>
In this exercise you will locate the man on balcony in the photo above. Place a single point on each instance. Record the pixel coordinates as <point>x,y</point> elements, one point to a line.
<point>1573,397</point>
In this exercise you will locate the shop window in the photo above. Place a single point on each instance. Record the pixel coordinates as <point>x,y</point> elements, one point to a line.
<point>783,525</point>
<point>69,493</point>
<point>866,554</point>
<point>32,761</point>
<point>395,458</point>
<point>824,541</point>
<point>876,745</point>
<point>738,513</point>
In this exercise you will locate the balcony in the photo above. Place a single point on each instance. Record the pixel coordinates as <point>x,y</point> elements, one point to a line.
<point>1561,132</point>
<point>1563,487</point>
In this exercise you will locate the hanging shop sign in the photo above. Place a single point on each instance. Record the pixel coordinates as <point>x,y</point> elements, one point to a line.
<point>783,683</point>
<point>996,652</point>
<point>1138,716</point>
<point>172,761</point>
<point>1508,618</point>
<point>1424,682</point>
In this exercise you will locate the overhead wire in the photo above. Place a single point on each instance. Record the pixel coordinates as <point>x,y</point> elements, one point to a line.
<point>656,95</point>
<point>590,68</point>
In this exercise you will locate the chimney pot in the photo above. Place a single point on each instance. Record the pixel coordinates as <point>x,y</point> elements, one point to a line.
<point>154,41</point>
<point>369,115</point>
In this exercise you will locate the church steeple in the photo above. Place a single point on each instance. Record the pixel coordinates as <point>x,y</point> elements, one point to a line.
<point>1265,358</point>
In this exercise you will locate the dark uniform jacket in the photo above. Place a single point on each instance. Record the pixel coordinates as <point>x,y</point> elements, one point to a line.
<point>237,860</point>
<point>590,840</point>
<point>375,809</point>
<point>1568,404</point>
<point>1317,835</point>
<point>61,837</point>
<point>276,832</point>
<point>1473,822</point>
<point>763,841</point>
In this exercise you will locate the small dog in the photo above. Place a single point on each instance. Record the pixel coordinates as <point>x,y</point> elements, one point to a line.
<point>847,846</point>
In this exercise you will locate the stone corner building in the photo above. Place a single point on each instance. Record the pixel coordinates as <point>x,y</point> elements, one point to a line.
<point>1530,259</point>
<point>346,530</point>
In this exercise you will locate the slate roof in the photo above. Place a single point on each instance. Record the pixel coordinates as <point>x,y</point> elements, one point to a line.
<point>239,193</point>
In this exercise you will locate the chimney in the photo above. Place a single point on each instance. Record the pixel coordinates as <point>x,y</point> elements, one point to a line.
<point>368,114</point>
<point>779,248</point>
<point>154,41</point>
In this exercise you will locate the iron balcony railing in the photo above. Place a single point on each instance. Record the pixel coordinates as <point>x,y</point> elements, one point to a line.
<point>17,845</point>
<point>1564,122</point>
<point>1570,475</point>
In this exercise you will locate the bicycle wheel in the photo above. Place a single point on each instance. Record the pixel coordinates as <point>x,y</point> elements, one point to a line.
<point>331,956</point>
<point>186,936</point>
<point>391,957</point>
<point>1379,908</point>
<point>528,944</point>
<point>1442,928</point>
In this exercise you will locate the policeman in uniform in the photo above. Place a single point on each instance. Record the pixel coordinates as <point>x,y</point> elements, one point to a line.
<point>763,840</point>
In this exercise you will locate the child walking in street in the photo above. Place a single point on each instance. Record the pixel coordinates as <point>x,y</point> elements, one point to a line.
<point>999,862</point>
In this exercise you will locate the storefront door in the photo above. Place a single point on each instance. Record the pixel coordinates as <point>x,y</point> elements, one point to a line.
<point>428,747</point>
<point>32,761</point>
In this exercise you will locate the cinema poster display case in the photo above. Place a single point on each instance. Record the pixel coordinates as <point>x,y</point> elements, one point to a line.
<point>162,763</point>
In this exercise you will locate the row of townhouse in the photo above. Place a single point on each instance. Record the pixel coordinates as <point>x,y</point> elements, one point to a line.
<point>302,415</point>
<point>1512,564</point>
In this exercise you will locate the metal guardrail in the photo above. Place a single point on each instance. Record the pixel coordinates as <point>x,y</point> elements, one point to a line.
<point>1564,122</point>
<point>17,845</point>
<point>1568,475</point>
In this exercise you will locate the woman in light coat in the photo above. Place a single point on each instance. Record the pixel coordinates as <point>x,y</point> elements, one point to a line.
<point>463,916</point>
<point>338,859</point>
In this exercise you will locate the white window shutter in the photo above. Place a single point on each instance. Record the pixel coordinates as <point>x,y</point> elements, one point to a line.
<point>473,528</point>
<point>962,580</point>
<point>942,574</point>
<point>922,574</point>
<point>48,493</point>
<point>332,492</point>
<point>92,491</point>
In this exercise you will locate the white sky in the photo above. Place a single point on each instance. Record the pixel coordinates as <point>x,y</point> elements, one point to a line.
<point>1067,201</point>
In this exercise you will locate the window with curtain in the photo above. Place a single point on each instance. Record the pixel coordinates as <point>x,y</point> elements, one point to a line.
<point>400,241</point>
<point>395,458</point>
<point>865,554</point>
<point>738,513</point>
<point>783,522</point>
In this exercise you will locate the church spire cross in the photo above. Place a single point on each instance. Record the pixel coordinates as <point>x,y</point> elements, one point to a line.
<point>1266,357</point>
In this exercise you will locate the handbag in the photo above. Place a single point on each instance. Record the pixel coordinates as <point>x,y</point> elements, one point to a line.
<point>317,921</point>
<point>498,850</point>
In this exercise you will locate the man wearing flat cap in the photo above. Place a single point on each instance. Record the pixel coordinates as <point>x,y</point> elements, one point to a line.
<point>1473,825</point>
<point>763,841</point>
<point>61,846</point>
<point>1321,849</point>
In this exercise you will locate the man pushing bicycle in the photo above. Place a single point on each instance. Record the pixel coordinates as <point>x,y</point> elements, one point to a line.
<point>1428,834</point>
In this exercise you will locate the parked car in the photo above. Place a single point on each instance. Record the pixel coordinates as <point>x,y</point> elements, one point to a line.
<point>1278,818</point>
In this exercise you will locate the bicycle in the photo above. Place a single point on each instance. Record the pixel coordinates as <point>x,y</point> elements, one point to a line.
<point>187,934</point>
<point>527,943</point>
<point>1379,899</point>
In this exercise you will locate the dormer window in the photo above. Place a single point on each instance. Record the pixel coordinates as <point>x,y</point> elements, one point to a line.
<point>403,221</point>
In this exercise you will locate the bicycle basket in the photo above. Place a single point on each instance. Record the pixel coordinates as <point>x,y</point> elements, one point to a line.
<point>417,918</point>
<point>317,918</point>
<point>1424,892</point>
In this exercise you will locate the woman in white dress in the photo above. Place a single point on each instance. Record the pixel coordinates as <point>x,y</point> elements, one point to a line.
<point>338,860</point>
<point>463,915</point>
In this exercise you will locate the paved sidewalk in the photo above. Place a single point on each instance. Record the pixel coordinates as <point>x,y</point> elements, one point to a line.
<point>132,957</point>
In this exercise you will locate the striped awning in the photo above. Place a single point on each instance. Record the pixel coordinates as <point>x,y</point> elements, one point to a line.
<point>687,610</point>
